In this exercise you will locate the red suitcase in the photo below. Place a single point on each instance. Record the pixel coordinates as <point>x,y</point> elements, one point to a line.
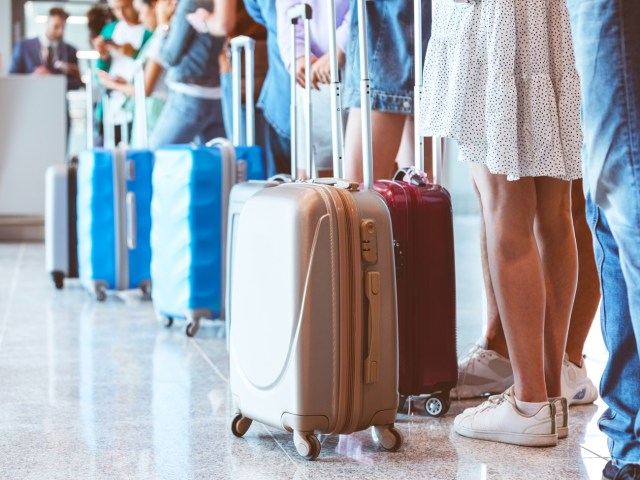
<point>422,221</point>
<point>425,278</point>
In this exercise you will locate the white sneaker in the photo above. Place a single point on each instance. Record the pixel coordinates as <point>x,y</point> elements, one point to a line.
<point>577,387</point>
<point>499,420</point>
<point>562,417</point>
<point>482,372</point>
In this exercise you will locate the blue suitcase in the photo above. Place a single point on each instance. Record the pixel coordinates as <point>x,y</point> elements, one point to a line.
<point>114,206</point>
<point>189,210</point>
<point>114,219</point>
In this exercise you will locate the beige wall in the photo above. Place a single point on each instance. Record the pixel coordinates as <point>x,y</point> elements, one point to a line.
<point>5,34</point>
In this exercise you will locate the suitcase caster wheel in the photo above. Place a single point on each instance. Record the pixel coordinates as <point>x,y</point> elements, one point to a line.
<point>145,287</point>
<point>58,279</point>
<point>166,321</point>
<point>307,445</point>
<point>402,403</point>
<point>192,329</point>
<point>437,405</point>
<point>240,425</point>
<point>388,437</point>
<point>101,295</point>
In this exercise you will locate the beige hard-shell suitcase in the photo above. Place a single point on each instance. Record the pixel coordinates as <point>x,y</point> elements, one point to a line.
<point>313,342</point>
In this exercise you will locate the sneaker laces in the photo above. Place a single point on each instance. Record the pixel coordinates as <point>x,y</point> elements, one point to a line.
<point>476,352</point>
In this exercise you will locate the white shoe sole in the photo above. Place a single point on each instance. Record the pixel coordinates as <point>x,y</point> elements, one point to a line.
<point>523,439</point>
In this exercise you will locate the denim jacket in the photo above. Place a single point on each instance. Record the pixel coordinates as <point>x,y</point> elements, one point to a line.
<point>192,57</point>
<point>275,97</point>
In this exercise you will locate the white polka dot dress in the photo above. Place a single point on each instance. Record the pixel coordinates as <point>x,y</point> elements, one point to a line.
<point>500,79</point>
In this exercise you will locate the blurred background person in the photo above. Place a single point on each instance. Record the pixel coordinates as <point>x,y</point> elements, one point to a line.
<point>48,54</point>
<point>275,95</point>
<point>193,111</point>
<point>230,18</point>
<point>97,17</point>
<point>155,15</point>
<point>118,45</point>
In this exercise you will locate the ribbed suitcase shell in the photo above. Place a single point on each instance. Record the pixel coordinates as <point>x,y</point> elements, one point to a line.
<point>299,335</point>
<point>189,211</point>
<point>425,275</point>
<point>100,221</point>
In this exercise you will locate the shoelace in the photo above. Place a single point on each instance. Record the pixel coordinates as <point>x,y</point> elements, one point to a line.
<point>475,353</point>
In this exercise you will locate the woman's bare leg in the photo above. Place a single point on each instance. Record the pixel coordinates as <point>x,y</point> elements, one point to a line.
<point>517,275</point>
<point>557,245</point>
<point>386,137</point>
<point>587,299</point>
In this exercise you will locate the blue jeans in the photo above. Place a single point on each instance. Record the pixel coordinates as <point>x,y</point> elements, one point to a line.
<point>226,84</point>
<point>185,119</point>
<point>390,46</point>
<point>606,40</point>
<point>277,149</point>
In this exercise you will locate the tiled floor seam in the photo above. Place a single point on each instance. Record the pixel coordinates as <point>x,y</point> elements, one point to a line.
<point>12,290</point>
<point>606,459</point>
<point>197,346</point>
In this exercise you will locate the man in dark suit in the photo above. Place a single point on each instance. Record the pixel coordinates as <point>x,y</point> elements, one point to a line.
<point>48,54</point>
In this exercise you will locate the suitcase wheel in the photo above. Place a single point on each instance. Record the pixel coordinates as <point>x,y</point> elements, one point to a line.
<point>192,328</point>
<point>145,286</point>
<point>58,279</point>
<point>240,425</point>
<point>166,321</point>
<point>307,444</point>
<point>437,405</point>
<point>101,294</point>
<point>402,403</point>
<point>388,437</point>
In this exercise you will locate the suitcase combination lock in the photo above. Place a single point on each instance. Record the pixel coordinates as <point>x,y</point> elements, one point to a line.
<point>369,241</point>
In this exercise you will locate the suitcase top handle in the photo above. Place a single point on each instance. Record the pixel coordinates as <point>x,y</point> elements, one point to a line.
<point>301,11</point>
<point>248,45</point>
<point>365,97</point>
<point>140,102</point>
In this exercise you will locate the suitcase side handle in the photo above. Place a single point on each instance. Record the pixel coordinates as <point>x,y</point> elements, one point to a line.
<point>247,44</point>
<point>132,221</point>
<point>372,362</point>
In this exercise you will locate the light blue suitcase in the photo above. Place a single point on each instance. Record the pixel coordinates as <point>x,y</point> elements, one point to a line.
<point>189,210</point>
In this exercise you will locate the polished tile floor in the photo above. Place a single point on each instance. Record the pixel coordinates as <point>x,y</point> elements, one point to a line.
<point>92,390</point>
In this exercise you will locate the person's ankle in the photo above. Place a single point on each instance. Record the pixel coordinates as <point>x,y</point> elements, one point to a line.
<point>499,347</point>
<point>576,358</point>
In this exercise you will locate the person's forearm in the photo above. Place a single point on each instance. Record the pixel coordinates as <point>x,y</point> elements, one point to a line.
<point>224,17</point>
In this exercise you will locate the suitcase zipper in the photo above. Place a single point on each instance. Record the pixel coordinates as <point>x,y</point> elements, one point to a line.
<point>348,225</point>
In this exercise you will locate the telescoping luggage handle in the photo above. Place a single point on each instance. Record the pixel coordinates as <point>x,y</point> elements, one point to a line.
<point>304,11</point>
<point>417,93</point>
<point>365,97</point>
<point>337,136</point>
<point>372,280</point>
<point>248,45</point>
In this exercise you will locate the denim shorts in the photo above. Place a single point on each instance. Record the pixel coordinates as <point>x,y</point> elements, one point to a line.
<point>390,41</point>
